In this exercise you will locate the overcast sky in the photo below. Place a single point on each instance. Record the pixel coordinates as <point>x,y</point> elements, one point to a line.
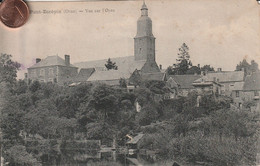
<point>220,33</point>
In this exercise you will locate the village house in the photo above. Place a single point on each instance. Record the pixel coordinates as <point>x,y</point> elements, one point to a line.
<point>248,90</point>
<point>205,85</point>
<point>52,69</point>
<point>227,79</point>
<point>181,85</point>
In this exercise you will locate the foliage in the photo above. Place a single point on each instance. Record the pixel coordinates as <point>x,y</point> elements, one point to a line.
<point>122,83</point>
<point>248,68</point>
<point>147,115</point>
<point>183,60</point>
<point>8,69</point>
<point>48,114</point>
<point>111,65</point>
<point>17,155</point>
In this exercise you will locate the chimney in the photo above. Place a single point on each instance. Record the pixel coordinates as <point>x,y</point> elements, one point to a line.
<point>67,60</point>
<point>160,67</point>
<point>38,60</point>
<point>219,69</point>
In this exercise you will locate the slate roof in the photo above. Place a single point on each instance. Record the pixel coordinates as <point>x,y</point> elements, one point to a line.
<point>185,81</point>
<point>252,82</point>
<point>225,76</point>
<point>109,75</point>
<point>124,64</point>
<point>84,74</point>
<point>153,76</point>
<point>50,61</point>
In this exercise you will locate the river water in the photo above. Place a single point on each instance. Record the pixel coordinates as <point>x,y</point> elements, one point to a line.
<point>113,158</point>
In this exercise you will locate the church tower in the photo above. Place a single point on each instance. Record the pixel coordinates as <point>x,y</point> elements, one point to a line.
<point>144,41</point>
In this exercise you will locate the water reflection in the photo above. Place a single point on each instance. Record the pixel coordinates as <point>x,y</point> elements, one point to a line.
<point>68,157</point>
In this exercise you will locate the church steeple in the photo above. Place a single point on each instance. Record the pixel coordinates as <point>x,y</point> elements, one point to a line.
<point>144,39</point>
<point>144,10</point>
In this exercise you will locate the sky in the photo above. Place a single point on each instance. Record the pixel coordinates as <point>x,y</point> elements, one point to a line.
<point>220,33</point>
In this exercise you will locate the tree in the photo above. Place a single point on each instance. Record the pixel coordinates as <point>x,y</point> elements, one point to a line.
<point>122,83</point>
<point>183,60</point>
<point>8,69</point>
<point>104,101</point>
<point>248,68</point>
<point>206,68</point>
<point>193,70</point>
<point>147,115</point>
<point>111,65</point>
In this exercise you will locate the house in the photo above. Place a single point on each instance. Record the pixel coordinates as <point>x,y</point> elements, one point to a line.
<point>237,94</point>
<point>53,69</point>
<point>202,85</point>
<point>249,90</point>
<point>227,79</point>
<point>181,84</point>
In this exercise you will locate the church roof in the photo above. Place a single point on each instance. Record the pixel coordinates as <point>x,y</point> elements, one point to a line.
<point>126,66</point>
<point>84,74</point>
<point>50,61</point>
<point>109,75</point>
<point>123,63</point>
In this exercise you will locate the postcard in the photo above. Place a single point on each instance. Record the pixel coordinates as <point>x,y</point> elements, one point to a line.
<point>154,82</point>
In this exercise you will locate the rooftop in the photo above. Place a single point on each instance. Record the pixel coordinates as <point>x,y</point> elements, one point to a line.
<point>50,61</point>
<point>185,81</point>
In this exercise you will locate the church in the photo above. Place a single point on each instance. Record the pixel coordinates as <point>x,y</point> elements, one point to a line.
<point>143,62</point>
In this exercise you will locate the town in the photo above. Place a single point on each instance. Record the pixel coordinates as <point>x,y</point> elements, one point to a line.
<point>129,110</point>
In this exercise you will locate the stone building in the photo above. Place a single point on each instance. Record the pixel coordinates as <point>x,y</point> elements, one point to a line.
<point>249,90</point>
<point>227,79</point>
<point>142,61</point>
<point>182,84</point>
<point>55,69</point>
<point>52,69</point>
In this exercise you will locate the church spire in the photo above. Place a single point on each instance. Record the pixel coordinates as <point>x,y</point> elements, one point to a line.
<point>144,10</point>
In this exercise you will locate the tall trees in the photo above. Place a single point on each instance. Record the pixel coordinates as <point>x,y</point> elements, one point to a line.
<point>183,61</point>
<point>248,68</point>
<point>8,68</point>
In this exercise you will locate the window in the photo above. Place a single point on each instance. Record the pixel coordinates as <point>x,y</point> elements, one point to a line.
<point>51,71</point>
<point>237,93</point>
<point>140,49</point>
<point>50,80</point>
<point>256,93</point>
<point>42,72</point>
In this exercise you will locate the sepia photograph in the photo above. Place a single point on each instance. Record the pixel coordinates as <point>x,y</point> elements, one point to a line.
<point>130,83</point>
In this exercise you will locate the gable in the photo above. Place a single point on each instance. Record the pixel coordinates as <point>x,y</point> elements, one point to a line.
<point>185,81</point>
